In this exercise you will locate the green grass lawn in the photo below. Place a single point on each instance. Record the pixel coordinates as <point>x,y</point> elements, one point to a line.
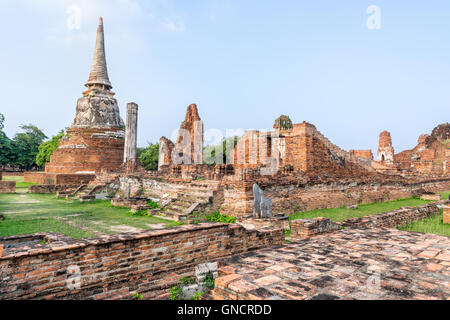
<point>32,213</point>
<point>433,225</point>
<point>445,195</point>
<point>341,214</point>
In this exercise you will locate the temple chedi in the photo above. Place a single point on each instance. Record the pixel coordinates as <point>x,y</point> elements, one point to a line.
<point>95,141</point>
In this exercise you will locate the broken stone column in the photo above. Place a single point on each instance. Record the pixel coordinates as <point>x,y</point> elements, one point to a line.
<point>130,155</point>
<point>262,206</point>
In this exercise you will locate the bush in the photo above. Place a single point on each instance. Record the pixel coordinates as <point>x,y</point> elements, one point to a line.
<point>217,217</point>
<point>155,205</point>
<point>176,293</point>
<point>139,213</point>
<point>148,157</point>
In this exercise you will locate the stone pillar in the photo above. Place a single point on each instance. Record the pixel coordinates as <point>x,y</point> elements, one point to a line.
<point>130,155</point>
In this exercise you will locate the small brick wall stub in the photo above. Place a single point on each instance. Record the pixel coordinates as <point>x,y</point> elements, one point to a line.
<point>446,209</point>
<point>7,186</point>
<point>306,228</point>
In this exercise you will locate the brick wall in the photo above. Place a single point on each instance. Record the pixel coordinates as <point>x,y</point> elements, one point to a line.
<point>50,188</point>
<point>291,196</point>
<point>7,186</point>
<point>35,177</point>
<point>392,219</point>
<point>114,267</point>
<point>446,212</point>
<point>86,150</point>
<point>63,179</point>
<point>12,174</point>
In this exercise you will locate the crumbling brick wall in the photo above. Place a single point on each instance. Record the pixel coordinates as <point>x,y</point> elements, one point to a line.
<point>58,179</point>
<point>291,196</point>
<point>50,188</point>
<point>363,154</point>
<point>114,267</point>
<point>393,219</point>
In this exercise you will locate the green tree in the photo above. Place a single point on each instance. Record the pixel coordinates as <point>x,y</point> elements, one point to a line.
<point>209,151</point>
<point>5,149</point>
<point>26,144</point>
<point>148,157</point>
<point>5,144</point>
<point>2,121</point>
<point>46,149</point>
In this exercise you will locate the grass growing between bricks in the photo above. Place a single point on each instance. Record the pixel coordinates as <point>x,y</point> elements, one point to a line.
<point>32,213</point>
<point>343,213</point>
<point>434,225</point>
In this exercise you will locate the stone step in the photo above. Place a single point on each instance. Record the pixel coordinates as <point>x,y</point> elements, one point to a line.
<point>180,207</point>
<point>195,196</point>
<point>183,201</point>
<point>173,209</point>
<point>176,216</point>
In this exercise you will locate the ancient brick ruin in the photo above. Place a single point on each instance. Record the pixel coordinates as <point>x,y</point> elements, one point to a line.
<point>266,176</point>
<point>95,140</point>
<point>429,158</point>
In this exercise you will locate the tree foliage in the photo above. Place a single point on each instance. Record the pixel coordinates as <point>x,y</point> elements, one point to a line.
<point>26,145</point>
<point>6,153</point>
<point>148,157</point>
<point>209,151</point>
<point>2,121</point>
<point>46,149</point>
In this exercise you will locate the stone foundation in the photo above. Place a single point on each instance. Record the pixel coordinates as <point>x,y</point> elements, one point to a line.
<point>115,267</point>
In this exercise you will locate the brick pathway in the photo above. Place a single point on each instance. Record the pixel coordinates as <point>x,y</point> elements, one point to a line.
<point>349,264</point>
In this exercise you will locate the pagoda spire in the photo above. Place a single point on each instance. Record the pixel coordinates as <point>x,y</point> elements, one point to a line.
<point>98,78</point>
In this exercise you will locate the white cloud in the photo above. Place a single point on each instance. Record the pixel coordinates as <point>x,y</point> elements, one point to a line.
<point>172,25</point>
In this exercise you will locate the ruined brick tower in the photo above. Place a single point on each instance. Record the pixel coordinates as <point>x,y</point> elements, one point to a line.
<point>189,144</point>
<point>385,149</point>
<point>95,141</point>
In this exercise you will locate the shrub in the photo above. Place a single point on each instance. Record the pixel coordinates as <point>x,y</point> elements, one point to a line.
<point>139,213</point>
<point>155,205</point>
<point>217,217</point>
<point>208,282</point>
<point>176,293</point>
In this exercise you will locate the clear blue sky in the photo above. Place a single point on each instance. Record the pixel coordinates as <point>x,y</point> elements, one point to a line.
<point>244,62</point>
